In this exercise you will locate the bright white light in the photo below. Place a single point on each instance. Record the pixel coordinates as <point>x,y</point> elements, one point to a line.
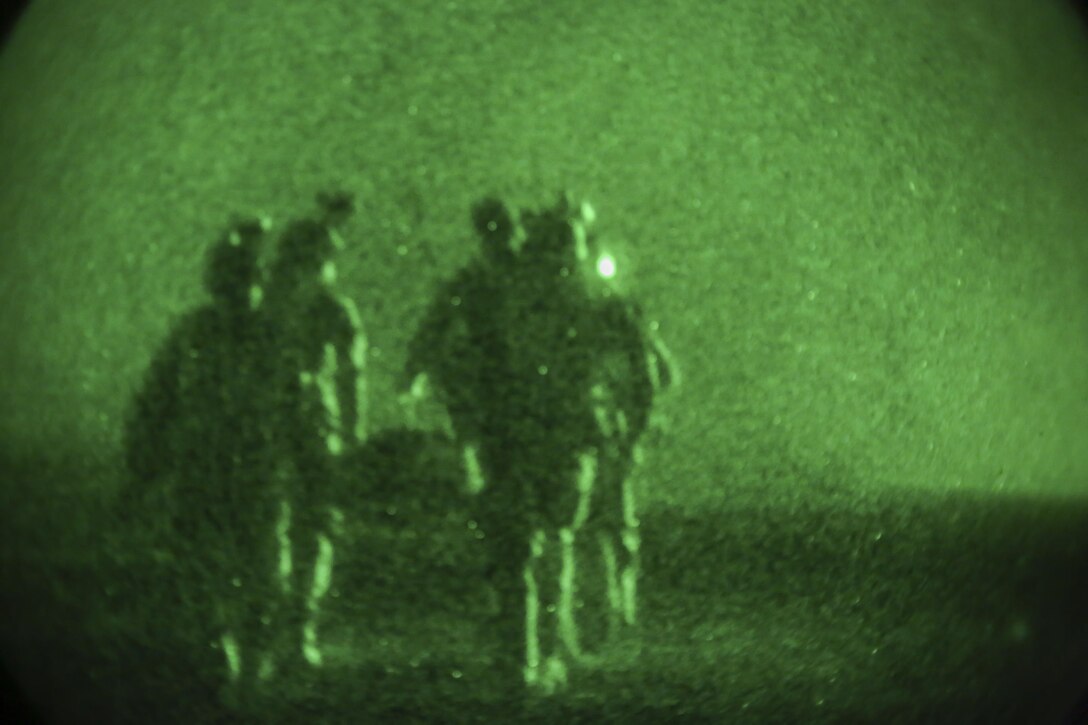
<point>606,266</point>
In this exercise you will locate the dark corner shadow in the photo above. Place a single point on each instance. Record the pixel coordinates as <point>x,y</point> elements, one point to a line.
<point>10,15</point>
<point>1078,713</point>
<point>1080,8</point>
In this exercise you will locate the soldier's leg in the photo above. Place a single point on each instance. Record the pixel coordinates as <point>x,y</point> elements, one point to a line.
<point>247,637</point>
<point>311,547</point>
<point>265,591</point>
<point>474,474</point>
<point>266,656</point>
<point>511,629</point>
<point>629,578</point>
<point>532,607</point>
<point>550,671</point>
<point>227,642</point>
<point>585,480</point>
<point>241,555</point>
<point>589,569</point>
<point>295,558</point>
<point>284,558</point>
<point>305,544</point>
<point>246,640</point>
<point>632,541</point>
<point>589,603</point>
<point>217,563</point>
<point>611,553</point>
<point>508,544</point>
<point>613,593</point>
<point>280,569</point>
<point>320,585</point>
<point>567,624</point>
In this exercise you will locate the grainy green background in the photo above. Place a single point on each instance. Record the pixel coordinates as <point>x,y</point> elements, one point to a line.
<point>861,226</point>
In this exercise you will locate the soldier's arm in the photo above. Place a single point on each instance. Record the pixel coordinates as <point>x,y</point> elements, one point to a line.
<point>431,337</point>
<point>414,382</point>
<point>665,373</point>
<point>660,363</point>
<point>664,376</point>
<point>351,376</point>
<point>652,364</point>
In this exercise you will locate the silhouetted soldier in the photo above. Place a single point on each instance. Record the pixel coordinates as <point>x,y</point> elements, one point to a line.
<point>553,429</point>
<point>459,356</point>
<point>319,385</point>
<point>631,368</point>
<point>455,357</point>
<point>515,347</point>
<point>196,430</point>
<point>587,369</point>
<point>158,438</point>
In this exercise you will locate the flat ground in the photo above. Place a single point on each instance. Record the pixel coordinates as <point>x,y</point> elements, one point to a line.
<point>898,608</point>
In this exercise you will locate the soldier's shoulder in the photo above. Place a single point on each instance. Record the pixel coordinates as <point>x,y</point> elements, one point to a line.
<point>461,287</point>
<point>468,278</point>
<point>190,331</point>
<point>193,321</point>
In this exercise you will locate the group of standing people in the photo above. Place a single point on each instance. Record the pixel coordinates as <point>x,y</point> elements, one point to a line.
<point>547,376</point>
<point>237,431</point>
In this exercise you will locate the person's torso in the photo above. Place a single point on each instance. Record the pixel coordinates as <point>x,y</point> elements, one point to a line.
<point>547,325</point>
<point>306,325</point>
<point>220,383</point>
<point>621,384</point>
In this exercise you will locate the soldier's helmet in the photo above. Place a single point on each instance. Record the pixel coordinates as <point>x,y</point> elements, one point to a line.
<point>307,244</point>
<point>231,267</point>
<point>303,248</point>
<point>552,234</point>
<point>336,207</point>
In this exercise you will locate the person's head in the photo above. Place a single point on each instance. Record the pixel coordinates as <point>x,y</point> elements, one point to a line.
<point>305,253</point>
<point>231,271</point>
<point>336,207</point>
<point>556,236</point>
<point>307,248</point>
<point>496,226</point>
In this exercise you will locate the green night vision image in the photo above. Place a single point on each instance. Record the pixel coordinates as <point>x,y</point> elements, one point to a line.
<point>499,361</point>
